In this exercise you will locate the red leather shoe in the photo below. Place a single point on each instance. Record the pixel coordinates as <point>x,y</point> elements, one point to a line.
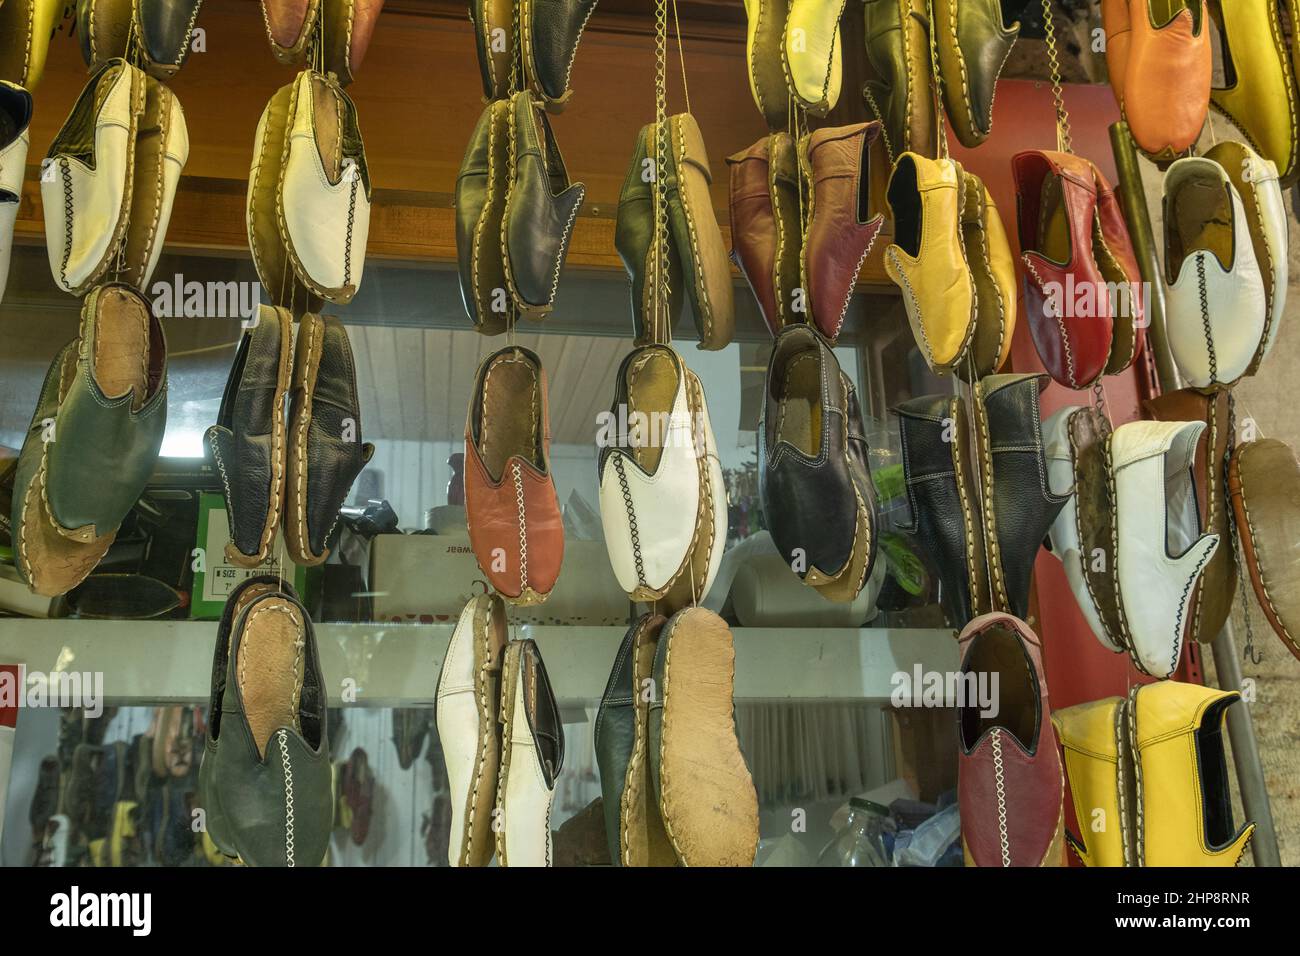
<point>1067,302</point>
<point>515,527</point>
<point>1010,785</point>
<point>754,228</point>
<point>841,229</point>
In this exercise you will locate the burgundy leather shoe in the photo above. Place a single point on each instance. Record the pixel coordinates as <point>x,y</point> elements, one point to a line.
<point>754,228</point>
<point>841,229</point>
<point>1066,300</point>
<point>1010,785</point>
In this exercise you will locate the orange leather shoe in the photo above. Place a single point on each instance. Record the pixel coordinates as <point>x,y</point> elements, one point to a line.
<point>1160,61</point>
<point>515,527</point>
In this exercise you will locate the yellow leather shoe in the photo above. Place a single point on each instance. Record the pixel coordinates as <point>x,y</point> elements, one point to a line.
<point>1184,810</point>
<point>929,264</point>
<point>993,269</point>
<point>1259,93</point>
<point>1100,785</point>
<point>813,53</point>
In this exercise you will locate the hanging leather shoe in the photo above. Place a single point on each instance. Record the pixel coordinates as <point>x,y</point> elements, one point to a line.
<point>764,41</point>
<point>1216,311</point>
<point>1256,181</point>
<point>973,46</point>
<point>104,30</point>
<point>902,95</point>
<point>469,698</point>
<point>248,443</point>
<point>1019,507</point>
<point>495,43</point>
<point>814,484</point>
<point>347,26</point>
<point>634,828</point>
<point>165,31</point>
<point>480,204</point>
<point>541,207</point>
<point>162,148</point>
<point>813,54</point>
<point>515,525</point>
<point>15,117</point>
<point>325,451</point>
<point>265,779</point>
<point>26,27</point>
<point>929,264</point>
<point>1160,551</point>
<point>1093,746</point>
<point>1214,591</point>
<point>945,512</point>
<point>549,31</point>
<point>634,238</point>
<point>786,188</point>
<point>993,269</point>
<point>841,228</point>
<point>1264,480</point>
<point>87,177</point>
<point>532,756</point>
<point>290,25</point>
<point>754,236</point>
<point>1010,784</point>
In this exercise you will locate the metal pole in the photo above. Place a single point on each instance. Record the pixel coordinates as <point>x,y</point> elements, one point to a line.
<point>1227,664</point>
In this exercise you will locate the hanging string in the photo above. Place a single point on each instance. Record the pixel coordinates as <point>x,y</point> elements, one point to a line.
<point>661,320</point>
<point>681,57</point>
<point>1064,142</point>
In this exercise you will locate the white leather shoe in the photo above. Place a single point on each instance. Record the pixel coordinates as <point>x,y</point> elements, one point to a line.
<point>1216,304</point>
<point>87,177</point>
<point>324,205</point>
<point>1256,181</point>
<point>161,151</point>
<point>1161,551</point>
<point>813,53</point>
<point>532,755</point>
<point>15,115</point>
<point>663,503</point>
<point>1065,533</point>
<point>466,716</point>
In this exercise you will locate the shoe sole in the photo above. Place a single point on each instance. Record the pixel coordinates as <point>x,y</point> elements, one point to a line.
<point>706,795</point>
<point>642,838</point>
<point>509,674</point>
<point>306,366</point>
<point>479,822</point>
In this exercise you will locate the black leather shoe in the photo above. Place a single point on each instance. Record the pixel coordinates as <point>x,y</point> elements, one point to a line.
<point>540,209</point>
<point>325,449</point>
<point>164,29</point>
<point>551,30</point>
<point>247,444</point>
<point>814,482</point>
<point>941,493</point>
<point>1019,507</point>
<point>265,783</point>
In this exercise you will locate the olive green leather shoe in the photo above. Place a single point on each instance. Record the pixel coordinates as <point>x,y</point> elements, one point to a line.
<point>902,94</point>
<point>973,46</point>
<point>265,781</point>
<point>634,233</point>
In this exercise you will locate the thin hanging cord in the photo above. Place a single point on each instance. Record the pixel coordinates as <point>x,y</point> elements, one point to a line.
<point>1064,142</point>
<point>661,319</point>
<point>681,57</point>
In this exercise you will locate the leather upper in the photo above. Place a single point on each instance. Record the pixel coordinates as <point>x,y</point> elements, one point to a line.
<point>785,186</point>
<point>480,202</point>
<point>165,29</point>
<point>1265,483</point>
<point>540,209</point>
<point>94,428</point>
<point>754,228</point>
<point>902,95</point>
<point>1256,181</point>
<point>764,39</point>
<point>1161,551</point>
<point>1160,71</point>
<point>161,151</point>
<point>533,753</point>
<point>1215,302</point>
<point>813,474</point>
<point>103,29</point>
<point>1010,784</point>
<point>86,186</point>
<point>289,26</point>
<point>841,229</point>
<point>347,26</point>
<point>813,53</point>
<point>551,31</point>
<point>1184,803</point>
<point>927,259</point>
<point>993,269</point>
<point>973,45</point>
<point>494,19</point>
<point>634,238</point>
<point>1091,737</point>
<point>15,115</point>
<point>27,26</point>
<point>515,525</point>
<point>1216,589</point>
<point>324,193</point>
<point>248,442</point>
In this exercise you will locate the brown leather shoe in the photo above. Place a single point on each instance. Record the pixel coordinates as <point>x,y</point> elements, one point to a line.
<point>754,228</point>
<point>515,527</point>
<point>841,229</point>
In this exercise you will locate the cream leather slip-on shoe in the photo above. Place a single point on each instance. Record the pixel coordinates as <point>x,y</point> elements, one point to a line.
<point>813,54</point>
<point>532,755</point>
<point>1159,551</point>
<point>15,115</point>
<point>469,688</point>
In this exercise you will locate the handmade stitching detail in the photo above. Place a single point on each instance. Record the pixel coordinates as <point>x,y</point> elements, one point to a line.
<point>288,797</point>
<point>1259,568</point>
<point>999,779</point>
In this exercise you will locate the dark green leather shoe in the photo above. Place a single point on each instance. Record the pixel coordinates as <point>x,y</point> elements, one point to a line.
<point>112,417</point>
<point>265,781</point>
<point>633,827</point>
<point>480,202</point>
<point>634,233</point>
<point>541,208</point>
<point>902,94</point>
<point>973,47</point>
